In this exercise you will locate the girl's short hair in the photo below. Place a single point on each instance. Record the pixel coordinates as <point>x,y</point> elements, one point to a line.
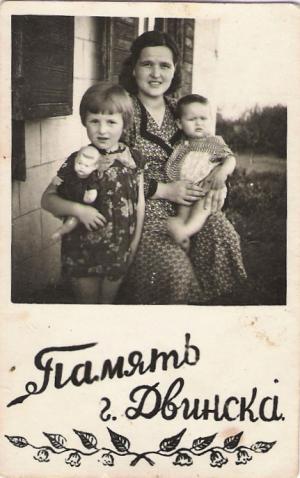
<point>114,99</point>
<point>187,100</point>
<point>149,39</point>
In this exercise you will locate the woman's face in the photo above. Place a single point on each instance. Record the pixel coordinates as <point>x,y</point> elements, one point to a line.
<point>154,71</point>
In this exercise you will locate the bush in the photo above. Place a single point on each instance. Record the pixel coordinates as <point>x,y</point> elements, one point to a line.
<point>257,206</point>
<point>259,130</point>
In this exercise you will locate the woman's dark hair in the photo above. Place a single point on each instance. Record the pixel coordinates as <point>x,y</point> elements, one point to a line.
<point>149,39</point>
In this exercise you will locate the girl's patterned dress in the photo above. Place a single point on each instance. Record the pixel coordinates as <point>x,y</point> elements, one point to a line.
<point>105,252</point>
<point>162,273</point>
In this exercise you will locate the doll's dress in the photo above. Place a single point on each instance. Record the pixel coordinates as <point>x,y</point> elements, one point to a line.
<point>193,159</point>
<point>73,187</point>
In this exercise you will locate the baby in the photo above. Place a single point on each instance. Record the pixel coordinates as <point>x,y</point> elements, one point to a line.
<point>196,156</point>
<point>77,180</point>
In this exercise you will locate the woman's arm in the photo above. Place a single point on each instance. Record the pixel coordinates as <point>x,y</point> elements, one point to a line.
<point>58,206</point>
<point>180,192</point>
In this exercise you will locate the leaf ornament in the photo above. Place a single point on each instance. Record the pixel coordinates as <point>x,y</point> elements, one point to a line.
<point>20,442</point>
<point>56,440</point>
<point>88,440</point>
<point>232,442</point>
<point>121,443</point>
<point>169,444</point>
<point>168,447</point>
<point>262,446</point>
<point>201,443</point>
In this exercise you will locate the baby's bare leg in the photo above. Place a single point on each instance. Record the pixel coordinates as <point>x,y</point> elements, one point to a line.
<point>181,230</point>
<point>197,218</point>
<point>68,226</point>
<point>199,215</point>
<point>109,290</point>
<point>176,226</point>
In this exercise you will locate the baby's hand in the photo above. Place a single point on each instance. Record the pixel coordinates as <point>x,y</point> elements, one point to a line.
<point>90,196</point>
<point>90,217</point>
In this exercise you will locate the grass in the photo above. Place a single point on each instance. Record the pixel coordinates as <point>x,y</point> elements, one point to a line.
<point>261,164</point>
<point>257,208</point>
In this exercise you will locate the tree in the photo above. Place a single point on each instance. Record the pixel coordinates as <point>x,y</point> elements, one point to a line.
<point>258,130</point>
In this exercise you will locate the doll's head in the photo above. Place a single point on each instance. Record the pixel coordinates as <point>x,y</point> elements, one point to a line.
<point>86,161</point>
<point>193,115</point>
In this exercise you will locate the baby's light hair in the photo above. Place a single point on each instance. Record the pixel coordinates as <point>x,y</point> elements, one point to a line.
<point>188,100</point>
<point>114,99</point>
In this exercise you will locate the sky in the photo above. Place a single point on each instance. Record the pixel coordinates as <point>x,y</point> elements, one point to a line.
<point>255,57</point>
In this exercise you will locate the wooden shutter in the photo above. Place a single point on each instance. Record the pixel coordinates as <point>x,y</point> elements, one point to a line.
<point>124,31</point>
<point>42,66</point>
<point>182,31</point>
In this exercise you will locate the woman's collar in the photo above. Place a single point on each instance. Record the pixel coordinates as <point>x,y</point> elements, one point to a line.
<point>147,134</point>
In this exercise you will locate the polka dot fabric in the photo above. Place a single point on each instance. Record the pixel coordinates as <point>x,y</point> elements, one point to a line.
<point>162,273</point>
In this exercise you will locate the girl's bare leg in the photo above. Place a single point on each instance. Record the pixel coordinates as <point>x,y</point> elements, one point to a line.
<point>68,226</point>
<point>109,290</point>
<point>86,290</point>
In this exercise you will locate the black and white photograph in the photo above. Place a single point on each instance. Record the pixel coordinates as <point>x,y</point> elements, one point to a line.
<point>149,182</point>
<point>144,224</point>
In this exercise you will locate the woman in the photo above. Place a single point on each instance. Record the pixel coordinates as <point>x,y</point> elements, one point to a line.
<point>162,273</point>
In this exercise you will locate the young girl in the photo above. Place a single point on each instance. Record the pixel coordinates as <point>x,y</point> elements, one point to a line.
<point>97,253</point>
<point>193,158</point>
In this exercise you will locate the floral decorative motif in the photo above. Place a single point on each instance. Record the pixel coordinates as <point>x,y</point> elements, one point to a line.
<point>183,459</point>
<point>217,459</point>
<point>107,459</point>
<point>168,448</point>
<point>42,455</point>
<point>243,457</point>
<point>73,459</point>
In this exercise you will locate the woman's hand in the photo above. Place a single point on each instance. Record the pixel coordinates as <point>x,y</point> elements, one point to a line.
<point>214,199</point>
<point>215,188</point>
<point>180,192</point>
<point>90,217</point>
